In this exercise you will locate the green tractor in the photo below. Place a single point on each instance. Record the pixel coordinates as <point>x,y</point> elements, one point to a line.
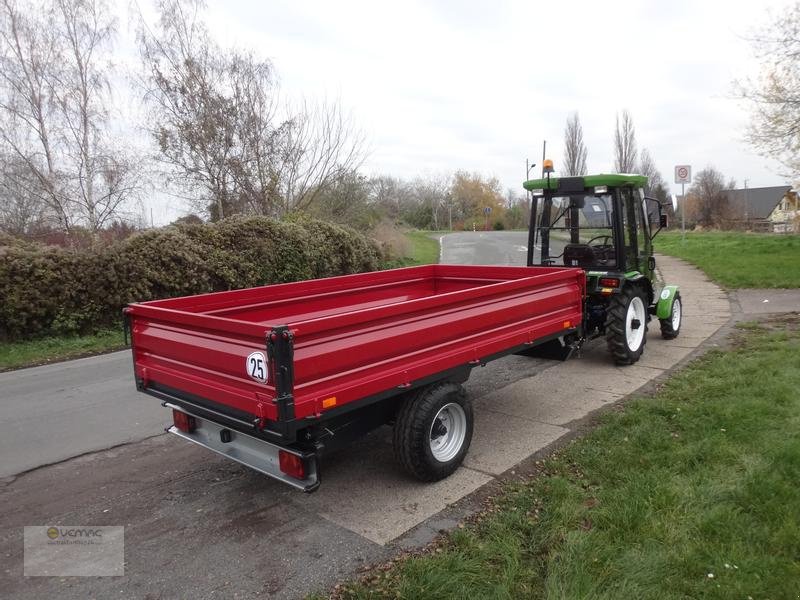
<point>605,225</point>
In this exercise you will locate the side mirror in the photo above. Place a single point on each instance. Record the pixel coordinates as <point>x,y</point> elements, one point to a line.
<point>577,201</point>
<point>655,215</point>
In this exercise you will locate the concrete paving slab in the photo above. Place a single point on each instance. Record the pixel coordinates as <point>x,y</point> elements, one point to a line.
<point>367,492</point>
<point>663,353</point>
<point>757,302</point>
<point>546,398</point>
<point>504,441</point>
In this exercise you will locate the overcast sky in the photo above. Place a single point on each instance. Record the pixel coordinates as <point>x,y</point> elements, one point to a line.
<point>443,85</point>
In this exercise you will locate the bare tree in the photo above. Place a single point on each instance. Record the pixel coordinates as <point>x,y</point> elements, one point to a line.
<point>708,197</point>
<point>575,151</point>
<point>775,95</point>
<point>320,145</point>
<point>348,201</point>
<point>53,109</point>
<point>188,85</point>
<point>433,195</point>
<point>218,125</point>
<point>21,211</point>
<point>625,153</point>
<point>655,182</point>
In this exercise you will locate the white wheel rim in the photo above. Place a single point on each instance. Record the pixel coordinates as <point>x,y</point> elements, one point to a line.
<point>676,314</point>
<point>448,431</point>
<point>635,336</point>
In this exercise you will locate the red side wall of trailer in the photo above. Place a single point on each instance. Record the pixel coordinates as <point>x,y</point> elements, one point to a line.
<point>353,336</point>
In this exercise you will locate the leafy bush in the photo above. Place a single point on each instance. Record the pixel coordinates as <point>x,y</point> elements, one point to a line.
<point>53,291</point>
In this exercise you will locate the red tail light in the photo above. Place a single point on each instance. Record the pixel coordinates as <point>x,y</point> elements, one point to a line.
<point>291,464</point>
<point>609,282</point>
<point>184,422</point>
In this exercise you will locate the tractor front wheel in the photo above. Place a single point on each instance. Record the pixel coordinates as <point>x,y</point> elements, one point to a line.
<point>626,325</point>
<point>671,326</point>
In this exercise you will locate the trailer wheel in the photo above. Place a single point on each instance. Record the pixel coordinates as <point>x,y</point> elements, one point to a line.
<point>626,325</point>
<point>433,430</point>
<point>671,326</point>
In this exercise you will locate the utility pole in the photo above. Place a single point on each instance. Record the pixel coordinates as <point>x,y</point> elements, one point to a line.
<point>746,206</point>
<point>683,213</point>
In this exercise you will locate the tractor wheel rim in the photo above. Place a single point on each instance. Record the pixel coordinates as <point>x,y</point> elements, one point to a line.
<point>448,431</point>
<point>676,314</point>
<point>634,337</point>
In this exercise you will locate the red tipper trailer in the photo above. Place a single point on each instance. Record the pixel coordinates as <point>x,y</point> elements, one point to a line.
<point>274,376</point>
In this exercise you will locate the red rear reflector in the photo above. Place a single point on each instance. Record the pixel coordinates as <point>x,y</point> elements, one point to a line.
<point>609,282</point>
<point>291,464</point>
<point>184,422</point>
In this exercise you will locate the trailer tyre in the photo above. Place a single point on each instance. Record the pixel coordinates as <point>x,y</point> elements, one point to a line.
<point>433,430</point>
<point>626,325</point>
<point>671,326</point>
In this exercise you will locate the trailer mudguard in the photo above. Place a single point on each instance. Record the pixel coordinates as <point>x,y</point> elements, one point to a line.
<point>665,299</point>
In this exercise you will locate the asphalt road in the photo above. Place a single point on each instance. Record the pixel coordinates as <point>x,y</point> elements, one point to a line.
<point>55,412</point>
<point>491,248</point>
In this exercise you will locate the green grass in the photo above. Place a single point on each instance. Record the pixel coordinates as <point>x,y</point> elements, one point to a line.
<point>691,493</point>
<point>739,260</point>
<point>423,249</point>
<point>35,352</point>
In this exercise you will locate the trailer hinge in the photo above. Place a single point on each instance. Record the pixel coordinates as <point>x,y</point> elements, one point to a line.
<point>280,354</point>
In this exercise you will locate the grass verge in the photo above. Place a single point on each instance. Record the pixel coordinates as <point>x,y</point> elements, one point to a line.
<point>690,493</point>
<point>423,250</point>
<point>738,260</point>
<point>14,355</point>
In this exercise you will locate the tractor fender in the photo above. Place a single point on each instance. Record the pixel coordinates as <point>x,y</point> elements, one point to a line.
<point>637,278</point>
<point>665,299</point>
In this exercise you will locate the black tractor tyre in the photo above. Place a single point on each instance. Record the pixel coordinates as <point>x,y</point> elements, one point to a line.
<point>617,315</point>
<point>668,329</point>
<point>417,432</point>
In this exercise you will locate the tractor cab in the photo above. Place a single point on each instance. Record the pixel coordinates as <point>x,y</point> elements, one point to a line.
<point>605,225</point>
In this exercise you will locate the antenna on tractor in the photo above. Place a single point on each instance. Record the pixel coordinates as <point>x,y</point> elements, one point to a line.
<point>544,154</point>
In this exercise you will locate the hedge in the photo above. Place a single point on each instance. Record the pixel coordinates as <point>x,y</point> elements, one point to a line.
<point>54,291</point>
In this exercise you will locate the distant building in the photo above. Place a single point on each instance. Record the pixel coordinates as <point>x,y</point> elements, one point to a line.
<point>786,216</point>
<point>758,209</point>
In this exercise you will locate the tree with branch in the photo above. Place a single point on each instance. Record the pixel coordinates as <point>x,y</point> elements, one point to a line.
<point>221,129</point>
<point>774,96</point>
<point>625,153</point>
<point>54,120</point>
<point>656,186</point>
<point>575,151</point>
<point>708,199</point>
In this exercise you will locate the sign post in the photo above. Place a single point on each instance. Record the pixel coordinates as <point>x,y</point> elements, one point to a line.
<point>683,175</point>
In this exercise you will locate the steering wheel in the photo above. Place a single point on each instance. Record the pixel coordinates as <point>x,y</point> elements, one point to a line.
<point>601,237</point>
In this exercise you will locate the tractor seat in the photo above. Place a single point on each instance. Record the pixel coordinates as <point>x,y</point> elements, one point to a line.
<point>579,255</point>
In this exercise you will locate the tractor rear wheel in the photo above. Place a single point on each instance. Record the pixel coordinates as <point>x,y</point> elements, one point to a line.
<point>433,430</point>
<point>626,325</point>
<point>671,326</point>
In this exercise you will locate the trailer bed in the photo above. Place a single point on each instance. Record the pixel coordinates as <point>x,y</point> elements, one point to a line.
<point>333,343</point>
